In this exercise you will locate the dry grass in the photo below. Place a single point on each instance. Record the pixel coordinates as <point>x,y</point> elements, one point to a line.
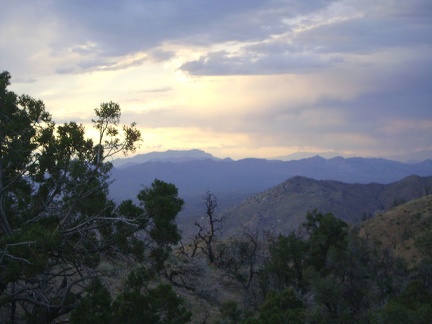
<point>398,228</point>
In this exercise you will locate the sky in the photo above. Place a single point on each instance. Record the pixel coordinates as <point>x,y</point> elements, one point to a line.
<point>244,78</point>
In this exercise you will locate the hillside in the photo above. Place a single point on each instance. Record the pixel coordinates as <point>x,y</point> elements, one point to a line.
<point>398,228</point>
<point>283,208</point>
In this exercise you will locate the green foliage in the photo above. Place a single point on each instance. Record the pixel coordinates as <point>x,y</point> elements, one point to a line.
<point>413,305</point>
<point>156,305</point>
<point>286,262</point>
<point>161,205</point>
<point>109,143</point>
<point>95,306</point>
<point>230,312</point>
<point>27,253</point>
<point>424,242</point>
<point>343,276</point>
<point>131,220</point>
<point>282,307</point>
<point>57,221</point>
<point>329,292</point>
<point>326,233</point>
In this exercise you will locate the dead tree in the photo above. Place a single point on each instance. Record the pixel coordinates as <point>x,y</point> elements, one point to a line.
<point>208,232</point>
<point>240,257</point>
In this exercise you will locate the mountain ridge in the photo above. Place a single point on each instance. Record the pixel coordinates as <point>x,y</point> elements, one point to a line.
<point>180,155</point>
<point>284,207</point>
<point>166,156</point>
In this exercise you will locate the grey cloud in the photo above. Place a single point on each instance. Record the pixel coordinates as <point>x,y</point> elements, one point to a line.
<point>222,63</point>
<point>24,80</point>
<point>66,70</point>
<point>417,9</point>
<point>403,92</point>
<point>377,134</point>
<point>274,47</point>
<point>362,35</point>
<point>159,55</point>
<point>85,50</point>
<point>120,27</point>
<point>123,26</point>
<point>325,45</point>
<point>378,24</point>
<point>100,64</point>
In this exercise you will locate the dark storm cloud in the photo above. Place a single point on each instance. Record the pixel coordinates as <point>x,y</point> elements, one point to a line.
<point>123,26</point>
<point>117,28</point>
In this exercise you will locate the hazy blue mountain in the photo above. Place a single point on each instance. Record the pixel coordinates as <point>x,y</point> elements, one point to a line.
<point>405,158</point>
<point>232,181</point>
<point>167,156</point>
<point>305,155</point>
<point>412,158</point>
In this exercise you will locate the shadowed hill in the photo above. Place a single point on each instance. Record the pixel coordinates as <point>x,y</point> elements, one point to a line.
<point>283,208</point>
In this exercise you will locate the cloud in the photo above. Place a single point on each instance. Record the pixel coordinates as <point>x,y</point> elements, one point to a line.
<point>159,55</point>
<point>332,75</point>
<point>89,32</point>
<point>98,64</point>
<point>22,80</point>
<point>223,63</point>
<point>121,27</point>
<point>157,90</point>
<point>271,37</point>
<point>323,38</point>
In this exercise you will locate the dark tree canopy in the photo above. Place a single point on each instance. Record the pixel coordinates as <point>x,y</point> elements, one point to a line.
<point>57,221</point>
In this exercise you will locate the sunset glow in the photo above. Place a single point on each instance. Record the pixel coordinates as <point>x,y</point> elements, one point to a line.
<point>250,78</point>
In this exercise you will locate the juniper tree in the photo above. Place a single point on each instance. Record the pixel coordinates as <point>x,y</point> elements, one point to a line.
<point>57,221</point>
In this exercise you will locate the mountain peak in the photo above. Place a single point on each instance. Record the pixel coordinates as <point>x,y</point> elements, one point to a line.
<point>175,156</point>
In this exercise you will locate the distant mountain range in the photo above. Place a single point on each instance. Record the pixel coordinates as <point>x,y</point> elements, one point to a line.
<point>195,172</point>
<point>405,158</point>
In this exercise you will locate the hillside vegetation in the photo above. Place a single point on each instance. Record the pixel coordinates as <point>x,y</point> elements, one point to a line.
<point>399,228</point>
<point>324,272</point>
<point>375,271</point>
